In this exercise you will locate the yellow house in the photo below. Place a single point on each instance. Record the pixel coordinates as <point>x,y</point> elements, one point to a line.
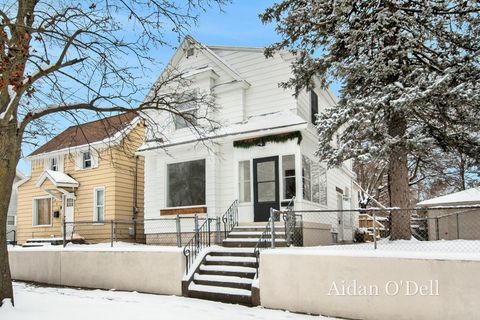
<point>81,181</point>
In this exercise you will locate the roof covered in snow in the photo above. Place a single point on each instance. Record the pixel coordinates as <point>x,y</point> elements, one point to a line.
<point>59,179</point>
<point>470,196</point>
<point>254,126</point>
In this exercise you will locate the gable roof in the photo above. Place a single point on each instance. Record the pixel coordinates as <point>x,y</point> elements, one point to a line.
<point>469,196</point>
<point>59,179</point>
<point>209,54</point>
<point>88,133</point>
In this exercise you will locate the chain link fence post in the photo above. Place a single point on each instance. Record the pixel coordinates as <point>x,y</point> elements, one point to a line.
<point>64,233</point>
<point>111,233</point>
<point>179,231</point>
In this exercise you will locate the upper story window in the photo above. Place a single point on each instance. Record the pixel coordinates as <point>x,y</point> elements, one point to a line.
<point>187,111</point>
<point>54,164</point>
<point>313,106</point>
<point>87,160</point>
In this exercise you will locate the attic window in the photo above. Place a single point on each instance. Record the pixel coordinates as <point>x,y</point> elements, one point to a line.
<point>190,52</point>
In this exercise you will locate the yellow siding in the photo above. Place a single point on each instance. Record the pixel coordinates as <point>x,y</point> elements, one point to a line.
<point>115,172</point>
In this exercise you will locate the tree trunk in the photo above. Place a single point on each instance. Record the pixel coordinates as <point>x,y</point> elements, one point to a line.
<point>398,181</point>
<point>9,156</point>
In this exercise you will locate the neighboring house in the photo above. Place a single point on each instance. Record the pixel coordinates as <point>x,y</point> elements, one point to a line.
<point>12,208</point>
<point>87,175</point>
<point>263,154</point>
<point>454,223</point>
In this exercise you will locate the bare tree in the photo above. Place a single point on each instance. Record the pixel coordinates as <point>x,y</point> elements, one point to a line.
<point>68,57</point>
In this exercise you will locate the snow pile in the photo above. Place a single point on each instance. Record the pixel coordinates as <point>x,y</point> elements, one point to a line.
<point>46,303</point>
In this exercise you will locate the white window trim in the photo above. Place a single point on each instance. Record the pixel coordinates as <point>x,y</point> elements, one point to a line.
<point>34,207</point>
<point>166,183</point>
<point>94,217</point>
<point>250,167</point>
<point>282,177</point>
<point>83,160</point>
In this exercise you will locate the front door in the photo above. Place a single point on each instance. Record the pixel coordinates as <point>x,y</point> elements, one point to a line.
<point>265,187</point>
<point>69,211</point>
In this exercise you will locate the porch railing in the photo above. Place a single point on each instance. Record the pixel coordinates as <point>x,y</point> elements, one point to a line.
<point>230,218</point>
<point>200,240</point>
<point>268,237</point>
<point>203,234</point>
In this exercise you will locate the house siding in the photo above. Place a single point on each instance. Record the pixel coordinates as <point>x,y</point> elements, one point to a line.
<point>114,172</point>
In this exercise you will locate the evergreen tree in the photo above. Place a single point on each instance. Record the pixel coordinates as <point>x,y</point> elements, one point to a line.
<point>410,75</point>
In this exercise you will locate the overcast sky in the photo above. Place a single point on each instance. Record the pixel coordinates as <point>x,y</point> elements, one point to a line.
<point>237,25</point>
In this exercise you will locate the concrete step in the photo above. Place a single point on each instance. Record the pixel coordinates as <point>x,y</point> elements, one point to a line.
<point>255,229</point>
<point>216,293</point>
<point>234,252</point>
<point>223,281</point>
<point>249,242</point>
<point>230,271</point>
<point>252,234</point>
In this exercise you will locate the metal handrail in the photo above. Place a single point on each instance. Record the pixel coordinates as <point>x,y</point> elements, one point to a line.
<point>14,236</point>
<point>230,218</point>
<point>200,240</point>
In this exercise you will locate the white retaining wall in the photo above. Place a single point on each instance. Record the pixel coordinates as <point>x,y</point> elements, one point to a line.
<point>148,271</point>
<point>427,288</point>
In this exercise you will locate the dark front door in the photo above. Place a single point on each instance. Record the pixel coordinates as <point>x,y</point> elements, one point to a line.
<point>265,187</point>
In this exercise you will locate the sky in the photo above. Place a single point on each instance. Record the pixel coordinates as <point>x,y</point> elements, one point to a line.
<point>237,24</point>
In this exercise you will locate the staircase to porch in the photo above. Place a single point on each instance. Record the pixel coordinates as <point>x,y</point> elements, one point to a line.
<point>226,273</point>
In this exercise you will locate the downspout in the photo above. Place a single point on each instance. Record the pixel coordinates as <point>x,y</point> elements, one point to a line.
<point>135,190</point>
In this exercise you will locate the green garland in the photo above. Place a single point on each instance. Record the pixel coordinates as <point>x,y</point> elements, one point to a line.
<point>248,143</point>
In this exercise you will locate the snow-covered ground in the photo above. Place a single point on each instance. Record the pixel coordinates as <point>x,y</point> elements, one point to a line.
<point>106,246</point>
<point>442,249</point>
<point>47,303</point>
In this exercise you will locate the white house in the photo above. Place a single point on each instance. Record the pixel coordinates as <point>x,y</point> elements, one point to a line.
<point>263,154</point>
<point>12,207</point>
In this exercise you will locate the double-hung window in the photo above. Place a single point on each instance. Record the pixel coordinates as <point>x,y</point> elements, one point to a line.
<point>54,164</point>
<point>99,204</point>
<point>244,181</point>
<point>314,181</point>
<point>288,172</point>
<point>86,160</point>
<point>187,113</point>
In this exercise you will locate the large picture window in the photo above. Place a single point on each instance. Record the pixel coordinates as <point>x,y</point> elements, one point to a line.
<point>244,181</point>
<point>42,211</point>
<point>186,183</point>
<point>288,173</point>
<point>314,181</point>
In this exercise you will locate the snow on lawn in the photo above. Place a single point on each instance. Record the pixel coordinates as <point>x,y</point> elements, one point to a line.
<point>117,246</point>
<point>442,249</point>
<point>47,303</point>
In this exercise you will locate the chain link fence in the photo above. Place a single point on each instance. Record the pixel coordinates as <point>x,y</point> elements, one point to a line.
<point>174,231</point>
<point>445,229</point>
